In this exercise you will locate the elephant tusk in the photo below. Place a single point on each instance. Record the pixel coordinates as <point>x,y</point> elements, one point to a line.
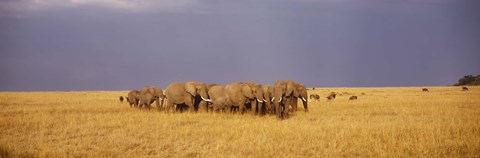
<point>264,100</point>
<point>304,99</point>
<point>273,99</point>
<point>206,99</point>
<point>259,101</point>
<point>280,100</point>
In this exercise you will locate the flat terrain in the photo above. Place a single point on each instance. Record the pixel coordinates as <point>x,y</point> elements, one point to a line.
<point>383,122</point>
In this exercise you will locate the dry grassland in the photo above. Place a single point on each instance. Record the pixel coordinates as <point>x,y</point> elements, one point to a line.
<point>383,122</point>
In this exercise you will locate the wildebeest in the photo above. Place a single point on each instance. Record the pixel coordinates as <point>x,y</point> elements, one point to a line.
<point>314,97</point>
<point>425,89</point>
<point>354,97</point>
<point>464,89</point>
<point>121,99</point>
<point>331,96</point>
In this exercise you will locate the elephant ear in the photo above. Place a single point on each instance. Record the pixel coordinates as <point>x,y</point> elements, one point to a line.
<point>190,87</point>
<point>247,91</point>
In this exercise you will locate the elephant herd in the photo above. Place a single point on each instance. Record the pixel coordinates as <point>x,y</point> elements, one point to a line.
<point>240,97</point>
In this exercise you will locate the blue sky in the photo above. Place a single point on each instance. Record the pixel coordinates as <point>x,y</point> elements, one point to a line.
<point>70,45</point>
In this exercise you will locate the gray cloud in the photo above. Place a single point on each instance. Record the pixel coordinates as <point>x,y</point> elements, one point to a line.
<point>92,45</point>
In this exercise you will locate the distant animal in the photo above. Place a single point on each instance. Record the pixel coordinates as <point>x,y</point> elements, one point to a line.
<point>314,97</point>
<point>354,97</point>
<point>425,89</point>
<point>464,89</point>
<point>313,88</point>
<point>331,96</point>
<point>121,99</point>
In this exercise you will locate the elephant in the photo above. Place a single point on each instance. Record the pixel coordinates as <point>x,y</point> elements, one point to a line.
<point>133,97</point>
<point>191,93</point>
<point>424,89</point>
<point>464,89</point>
<point>282,89</point>
<point>299,92</point>
<point>240,93</point>
<point>121,99</point>
<point>149,94</point>
<point>218,96</point>
<point>285,94</point>
<point>266,106</point>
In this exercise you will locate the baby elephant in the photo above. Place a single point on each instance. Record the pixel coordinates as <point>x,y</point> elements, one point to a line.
<point>121,99</point>
<point>354,97</point>
<point>314,97</point>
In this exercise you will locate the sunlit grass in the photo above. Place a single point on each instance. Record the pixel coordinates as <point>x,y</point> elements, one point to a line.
<point>383,122</point>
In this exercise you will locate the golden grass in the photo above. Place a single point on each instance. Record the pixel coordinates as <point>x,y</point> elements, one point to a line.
<point>383,122</point>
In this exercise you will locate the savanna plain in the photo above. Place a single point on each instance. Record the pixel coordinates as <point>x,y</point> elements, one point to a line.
<point>383,122</point>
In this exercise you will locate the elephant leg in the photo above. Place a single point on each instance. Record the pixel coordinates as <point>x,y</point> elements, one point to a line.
<point>157,102</point>
<point>169,106</point>
<point>295,104</point>
<point>254,107</point>
<point>191,107</point>
<point>241,107</point>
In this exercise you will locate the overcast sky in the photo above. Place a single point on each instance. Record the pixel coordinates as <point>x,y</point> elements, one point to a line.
<point>70,45</point>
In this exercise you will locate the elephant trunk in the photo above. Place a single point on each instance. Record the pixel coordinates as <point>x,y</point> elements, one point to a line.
<point>305,105</point>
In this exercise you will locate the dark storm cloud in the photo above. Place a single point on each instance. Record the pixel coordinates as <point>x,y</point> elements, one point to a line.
<point>115,45</point>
